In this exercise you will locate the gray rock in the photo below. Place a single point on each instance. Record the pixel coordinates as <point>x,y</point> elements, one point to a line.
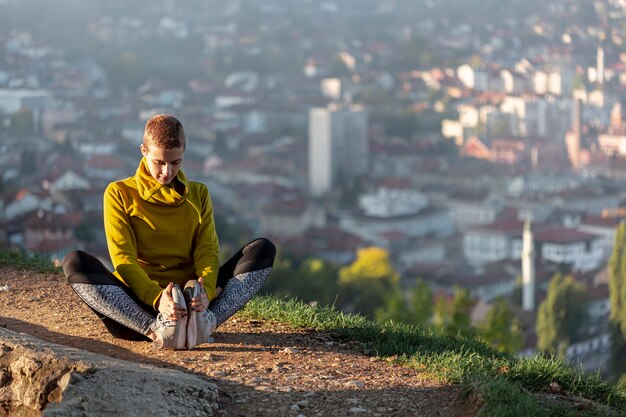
<point>42,378</point>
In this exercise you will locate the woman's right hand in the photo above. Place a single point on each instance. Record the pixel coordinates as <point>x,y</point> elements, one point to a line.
<point>167,307</point>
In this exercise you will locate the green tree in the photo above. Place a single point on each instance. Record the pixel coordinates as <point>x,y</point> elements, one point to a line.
<point>421,303</point>
<point>411,305</point>
<point>22,123</point>
<point>395,308</point>
<point>617,283</point>
<point>365,284</point>
<point>617,297</point>
<point>560,315</point>
<point>311,280</point>
<point>501,328</point>
<point>453,316</point>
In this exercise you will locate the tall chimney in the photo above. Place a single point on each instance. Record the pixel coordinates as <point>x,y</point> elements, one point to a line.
<point>528,268</point>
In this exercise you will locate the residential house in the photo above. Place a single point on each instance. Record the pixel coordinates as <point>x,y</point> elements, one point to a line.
<point>601,226</point>
<point>329,243</point>
<point>582,251</point>
<point>469,208</point>
<point>290,218</point>
<point>51,234</point>
<point>492,242</point>
<point>106,167</point>
<point>431,221</point>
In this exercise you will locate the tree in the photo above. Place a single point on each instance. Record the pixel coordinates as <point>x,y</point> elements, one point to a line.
<point>422,303</point>
<point>617,297</point>
<point>453,316</point>
<point>311,280</point>
<point>365,284</point>
<point>617,283</point>
<point>560,315</point>
<point>395,308</point>
<point>501,328</point>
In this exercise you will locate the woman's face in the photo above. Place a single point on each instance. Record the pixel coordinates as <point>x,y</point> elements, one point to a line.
<point>163,163</point>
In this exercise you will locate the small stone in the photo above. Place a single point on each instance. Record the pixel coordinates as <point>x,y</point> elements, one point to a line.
<point>555,388</point>
<point>284,388</point>
<point>295,407</point>
<point>358,410</point>
<point>374,359</point>
<point>292,378</point>
<point>5,288</point>
<point>290,351</point>
<point>34,299</point>
<point>302,403</point>
<point>355,384</point>
<point>218,374</point>
<point>353,400</point>
<point>255,381</point>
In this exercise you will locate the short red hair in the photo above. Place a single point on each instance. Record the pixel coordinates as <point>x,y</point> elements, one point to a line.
<point>164,131</point>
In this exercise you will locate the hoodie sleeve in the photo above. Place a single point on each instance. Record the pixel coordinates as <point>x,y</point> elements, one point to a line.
<point>206,245</point>
<point>123,247</point>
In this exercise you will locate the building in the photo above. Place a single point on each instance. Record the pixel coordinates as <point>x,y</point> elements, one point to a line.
<point>338,146</point>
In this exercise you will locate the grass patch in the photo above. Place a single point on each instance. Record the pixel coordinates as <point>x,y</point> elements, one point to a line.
<point>504,384</point>
<point>21,259</point>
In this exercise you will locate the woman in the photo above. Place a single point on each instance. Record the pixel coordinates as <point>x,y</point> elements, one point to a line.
<point>162,241</point>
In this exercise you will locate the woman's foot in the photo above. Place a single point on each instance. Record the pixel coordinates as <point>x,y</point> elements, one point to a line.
<point>202,324</point>
<point>170,334</point>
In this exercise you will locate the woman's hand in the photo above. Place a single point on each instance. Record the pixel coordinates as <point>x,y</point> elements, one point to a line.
<point>201,302</point>
<point>167,307</point>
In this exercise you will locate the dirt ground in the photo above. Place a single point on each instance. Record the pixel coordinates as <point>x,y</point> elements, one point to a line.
<point>261,369</point>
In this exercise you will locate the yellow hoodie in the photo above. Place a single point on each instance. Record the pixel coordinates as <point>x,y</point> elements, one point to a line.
<point>156,235</point>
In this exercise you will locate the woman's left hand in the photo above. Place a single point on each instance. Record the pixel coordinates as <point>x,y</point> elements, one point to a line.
<point>201,302</point>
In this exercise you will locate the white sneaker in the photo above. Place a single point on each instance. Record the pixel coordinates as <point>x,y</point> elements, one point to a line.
<point>201,325</point>
<point>171,334</point>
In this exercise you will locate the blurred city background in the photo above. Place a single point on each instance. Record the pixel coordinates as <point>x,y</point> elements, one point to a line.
<point>448,163</point>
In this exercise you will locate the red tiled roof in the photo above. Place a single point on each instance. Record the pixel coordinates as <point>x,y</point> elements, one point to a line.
<point>563,235</point>
<point>507,225</point>
<point>592,220</point>
<point>104,161</point>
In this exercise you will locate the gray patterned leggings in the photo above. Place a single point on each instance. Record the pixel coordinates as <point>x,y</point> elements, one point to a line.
<point>126,317</point>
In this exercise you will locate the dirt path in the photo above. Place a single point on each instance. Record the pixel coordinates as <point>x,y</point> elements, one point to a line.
<point>261,369</point>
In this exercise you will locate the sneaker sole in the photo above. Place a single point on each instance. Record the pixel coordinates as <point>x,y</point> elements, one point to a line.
<point>191,338</point>
<point>180,335</point>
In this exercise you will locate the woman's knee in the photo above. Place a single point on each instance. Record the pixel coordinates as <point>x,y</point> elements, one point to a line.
<point>73,262</point>
<point>261,248</point>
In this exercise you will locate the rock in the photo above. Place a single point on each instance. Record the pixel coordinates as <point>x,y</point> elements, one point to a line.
<point>218,374</point>
<point>295,407</point>
<point>303,403</point>
<point>255,381</point>
<point>358,410</point>
<point>58,381</point>
<point>555,388</point>
<point>290,351</point>
<point>354,384</point>
<point>5,288</point>
<point>353,400</point>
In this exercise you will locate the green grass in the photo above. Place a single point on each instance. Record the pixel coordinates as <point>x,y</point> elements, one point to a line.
<point>504,384</point>
<point>22,260</point>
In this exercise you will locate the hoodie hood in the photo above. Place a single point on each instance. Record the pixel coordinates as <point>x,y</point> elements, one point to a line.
<point>153,192</point>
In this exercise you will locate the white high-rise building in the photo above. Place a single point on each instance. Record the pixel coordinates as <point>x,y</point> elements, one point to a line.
<point>338,146</point>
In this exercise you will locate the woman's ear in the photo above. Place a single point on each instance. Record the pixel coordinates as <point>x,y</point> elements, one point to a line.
<point>143,149</point>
